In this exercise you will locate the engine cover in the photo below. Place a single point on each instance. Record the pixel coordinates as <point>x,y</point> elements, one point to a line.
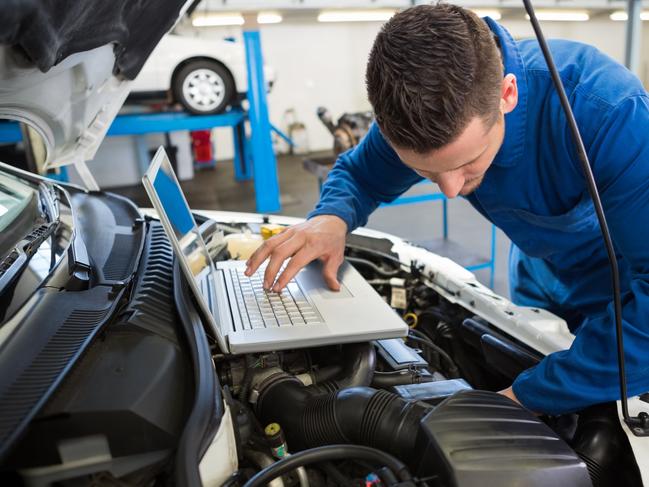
<point>479,438</point>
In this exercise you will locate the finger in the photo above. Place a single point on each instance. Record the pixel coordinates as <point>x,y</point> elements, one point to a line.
<point>330,272</point>
<point>278,256</point>
<point>262,253</point>
<point>297,262</point>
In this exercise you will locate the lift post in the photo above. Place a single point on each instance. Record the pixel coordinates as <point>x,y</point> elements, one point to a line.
<point>263,157</point>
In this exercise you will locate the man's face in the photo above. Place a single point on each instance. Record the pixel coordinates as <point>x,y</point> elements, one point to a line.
<point>458,168</point>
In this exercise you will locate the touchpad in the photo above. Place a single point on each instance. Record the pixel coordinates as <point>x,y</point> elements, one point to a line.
<point>311,281</point>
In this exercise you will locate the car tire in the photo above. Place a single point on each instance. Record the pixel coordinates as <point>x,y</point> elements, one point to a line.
<point>203,87</point>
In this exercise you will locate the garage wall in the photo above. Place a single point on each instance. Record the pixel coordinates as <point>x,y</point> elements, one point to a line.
<point>324,64</point>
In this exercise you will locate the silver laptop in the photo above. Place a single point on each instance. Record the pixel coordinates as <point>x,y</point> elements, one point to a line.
<point>241,315</point>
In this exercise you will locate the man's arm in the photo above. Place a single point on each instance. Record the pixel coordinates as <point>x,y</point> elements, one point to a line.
<point>361,179</point>
<point>587,373</point>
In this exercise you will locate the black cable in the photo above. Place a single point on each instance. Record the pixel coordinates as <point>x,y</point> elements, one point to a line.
<point>329,453</point>
<point>374,267</point>
<point>434,312</point>
<point>597,203</point>
<point>453,369</point>
<point>398,378</point>
<point>377,253</point>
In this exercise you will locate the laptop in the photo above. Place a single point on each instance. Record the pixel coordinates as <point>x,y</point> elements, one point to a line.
<point>245,318</point>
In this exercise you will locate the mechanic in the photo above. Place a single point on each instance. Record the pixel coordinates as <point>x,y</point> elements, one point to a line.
<point>459,102</point>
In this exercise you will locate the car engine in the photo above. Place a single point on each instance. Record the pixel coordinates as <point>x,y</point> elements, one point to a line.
<point>428,400</point>
<point>145,405</point>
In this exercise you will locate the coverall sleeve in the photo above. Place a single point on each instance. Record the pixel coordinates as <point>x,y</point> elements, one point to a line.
<point>362,178</point>
<point>587,373</point>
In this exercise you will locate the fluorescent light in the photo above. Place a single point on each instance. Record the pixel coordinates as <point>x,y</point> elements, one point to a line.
<point>485,12</point>
<point>269,18</point>
<point>622,15</point>
<point>217,20</point>
<point>355,15</point>
<point>561,15</point>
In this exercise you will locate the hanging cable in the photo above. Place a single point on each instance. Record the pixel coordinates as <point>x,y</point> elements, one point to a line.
<point>638,424</point>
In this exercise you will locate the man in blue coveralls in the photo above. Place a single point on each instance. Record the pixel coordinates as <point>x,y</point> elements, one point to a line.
<point>459,102</point>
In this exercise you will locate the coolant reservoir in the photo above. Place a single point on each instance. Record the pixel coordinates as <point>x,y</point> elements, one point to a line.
<point>242,245</point>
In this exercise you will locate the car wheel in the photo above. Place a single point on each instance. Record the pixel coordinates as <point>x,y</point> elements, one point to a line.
<point>203,87</point>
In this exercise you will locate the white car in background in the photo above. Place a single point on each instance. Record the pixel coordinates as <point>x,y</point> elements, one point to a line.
<point>204,75</point>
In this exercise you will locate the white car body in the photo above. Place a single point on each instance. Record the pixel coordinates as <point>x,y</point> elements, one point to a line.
<point>175,50</point>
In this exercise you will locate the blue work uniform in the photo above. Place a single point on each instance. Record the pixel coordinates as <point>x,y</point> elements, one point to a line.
<point>535,192</point>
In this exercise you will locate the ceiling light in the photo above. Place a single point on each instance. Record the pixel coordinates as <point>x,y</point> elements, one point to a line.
<point>269,18</point>
<point>484,12</point>
<point>355,15</point>
<point>217,20</point>
<point>561,15</point>
<point>622,15</point>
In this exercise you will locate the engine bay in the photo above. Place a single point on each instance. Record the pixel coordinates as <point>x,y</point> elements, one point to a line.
<point>429,400</point>
<point>152,400</point>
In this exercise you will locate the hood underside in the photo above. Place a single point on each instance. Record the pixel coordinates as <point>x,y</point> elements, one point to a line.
<point>66,65</point>
<point>48,31</point>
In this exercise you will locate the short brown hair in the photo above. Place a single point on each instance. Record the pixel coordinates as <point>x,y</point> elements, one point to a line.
<point>433,68</point>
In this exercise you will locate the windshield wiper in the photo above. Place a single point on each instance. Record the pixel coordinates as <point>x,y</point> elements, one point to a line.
<point>13,262</point>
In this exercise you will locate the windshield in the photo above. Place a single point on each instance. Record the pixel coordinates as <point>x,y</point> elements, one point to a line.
<point>18,210</point>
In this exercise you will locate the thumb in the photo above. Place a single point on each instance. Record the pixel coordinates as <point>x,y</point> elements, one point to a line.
<point>330,271</point>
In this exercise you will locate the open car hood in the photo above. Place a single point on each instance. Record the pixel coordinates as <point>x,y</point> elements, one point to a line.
<point>65,65</point>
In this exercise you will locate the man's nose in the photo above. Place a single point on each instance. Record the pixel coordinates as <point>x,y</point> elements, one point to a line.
<point>450,183</point>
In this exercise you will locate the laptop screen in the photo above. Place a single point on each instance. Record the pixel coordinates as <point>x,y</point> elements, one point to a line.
<point>178,214</point>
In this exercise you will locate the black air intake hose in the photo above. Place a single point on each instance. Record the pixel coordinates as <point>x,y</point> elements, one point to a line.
<point>358,364</point>
<point>603,446</point>
<point>359,415</point>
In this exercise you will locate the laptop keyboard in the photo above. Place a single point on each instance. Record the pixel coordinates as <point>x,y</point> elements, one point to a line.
<point>266,309</point>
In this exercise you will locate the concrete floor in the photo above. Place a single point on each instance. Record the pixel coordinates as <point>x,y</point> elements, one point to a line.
<point>215,189</point>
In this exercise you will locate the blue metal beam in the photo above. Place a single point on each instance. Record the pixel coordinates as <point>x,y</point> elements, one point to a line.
<point>144,123</point>
<point>285,137</point>
<point>420,198</point>
<point>263,157</point>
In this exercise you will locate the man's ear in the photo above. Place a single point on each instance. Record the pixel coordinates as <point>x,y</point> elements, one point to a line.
<point>508,93</point>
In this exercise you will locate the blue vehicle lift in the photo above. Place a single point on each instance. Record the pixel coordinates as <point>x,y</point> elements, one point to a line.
<point>253,156</point>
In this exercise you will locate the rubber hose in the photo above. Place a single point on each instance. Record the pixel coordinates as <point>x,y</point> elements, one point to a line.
<point>599,439</point>
<point>359,415</point>
<point>263,461</point>
<point>390,379</point>
<point>358,364</point>
<point>328,453</point>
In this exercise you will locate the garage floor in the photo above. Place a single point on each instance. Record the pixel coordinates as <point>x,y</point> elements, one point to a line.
<point>215,189</point>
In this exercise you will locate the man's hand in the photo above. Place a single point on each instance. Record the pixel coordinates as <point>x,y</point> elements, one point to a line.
<point>321,237</point>
<point>509,392</point>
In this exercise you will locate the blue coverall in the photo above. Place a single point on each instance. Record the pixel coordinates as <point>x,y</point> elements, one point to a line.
<point>535,192</point>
